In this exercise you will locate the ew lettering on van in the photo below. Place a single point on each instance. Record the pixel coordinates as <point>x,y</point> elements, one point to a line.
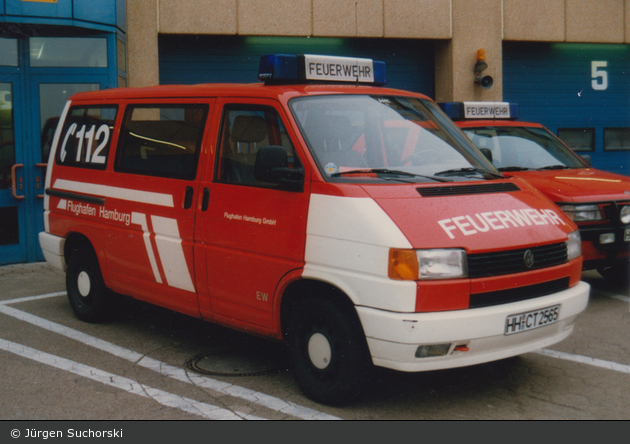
<point>498,220</point>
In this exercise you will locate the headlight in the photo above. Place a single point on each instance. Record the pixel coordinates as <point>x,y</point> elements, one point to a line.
<point>427,264</point>
<point>442,264</point>
<point>574,245</point>
<point>582,213</point>
<point>625,214</point>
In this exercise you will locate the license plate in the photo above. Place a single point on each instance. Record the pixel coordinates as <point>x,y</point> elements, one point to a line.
<point>626,235</point>
<point>530,320</point>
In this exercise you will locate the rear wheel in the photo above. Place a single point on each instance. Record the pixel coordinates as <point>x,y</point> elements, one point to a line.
<point>86,289</point>
<point>328,352</point>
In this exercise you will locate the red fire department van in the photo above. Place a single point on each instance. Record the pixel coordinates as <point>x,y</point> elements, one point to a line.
<point>597,201</point>
<point>354,222</point>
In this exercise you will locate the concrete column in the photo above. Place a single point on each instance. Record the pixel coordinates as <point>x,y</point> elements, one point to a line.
<point>142,45</point>
<point>476,25</point>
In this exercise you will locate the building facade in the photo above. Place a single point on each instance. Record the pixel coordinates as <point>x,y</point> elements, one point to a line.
<point>565,62</point>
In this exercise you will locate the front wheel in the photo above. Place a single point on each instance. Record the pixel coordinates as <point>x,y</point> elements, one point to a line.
<point>329,357</point>
<point>617,272</point>
<point>87,293</point>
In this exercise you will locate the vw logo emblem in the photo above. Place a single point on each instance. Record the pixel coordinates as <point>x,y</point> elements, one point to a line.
<point>528,259</point>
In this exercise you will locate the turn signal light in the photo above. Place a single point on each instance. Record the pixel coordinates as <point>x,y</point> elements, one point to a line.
<point>403,265</point>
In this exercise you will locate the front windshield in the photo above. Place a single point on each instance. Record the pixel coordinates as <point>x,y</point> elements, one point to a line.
<point>366,138</point>
<point>523,148</point>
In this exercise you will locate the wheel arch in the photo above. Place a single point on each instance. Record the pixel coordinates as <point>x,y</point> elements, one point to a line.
<point>302,289</point>
<point>76,242</point>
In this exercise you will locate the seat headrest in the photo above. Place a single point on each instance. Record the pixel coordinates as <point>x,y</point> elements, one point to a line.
<point>249,129</point>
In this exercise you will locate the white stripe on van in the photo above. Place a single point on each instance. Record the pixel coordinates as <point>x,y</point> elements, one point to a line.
<point>171,252</point>
<point>146,197</point>
<point>141,219</point>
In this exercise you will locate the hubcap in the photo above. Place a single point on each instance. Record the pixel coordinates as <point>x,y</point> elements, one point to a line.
<point>83,283</point>
<point>319,351</point>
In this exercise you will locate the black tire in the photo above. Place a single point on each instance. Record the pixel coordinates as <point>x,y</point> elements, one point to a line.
<point>616,272</point>
<point>336,365</point>
<point>87,293</point>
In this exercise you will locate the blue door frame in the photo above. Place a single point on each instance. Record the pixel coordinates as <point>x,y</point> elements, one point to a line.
<point>29,169</point>
<point>15,252</point>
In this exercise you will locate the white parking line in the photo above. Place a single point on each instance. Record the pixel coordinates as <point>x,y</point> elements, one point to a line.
<point>164,369</point>
<point>585,360</point>
<point>33,298</point>
<point>188,405</point>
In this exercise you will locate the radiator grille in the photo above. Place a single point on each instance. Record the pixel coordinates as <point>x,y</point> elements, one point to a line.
<point>512,261</point>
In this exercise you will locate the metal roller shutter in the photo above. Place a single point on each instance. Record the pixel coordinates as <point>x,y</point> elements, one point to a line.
<point>576,90</point>
<point>188,59</point>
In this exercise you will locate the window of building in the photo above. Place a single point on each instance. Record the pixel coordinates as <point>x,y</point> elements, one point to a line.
<point>86,137</point>
<point>121,60</point>
<point>617,139</point>
<point>68,52</point>
<point>162,141</point>
<point>8,52</point>
<point>579,139</point>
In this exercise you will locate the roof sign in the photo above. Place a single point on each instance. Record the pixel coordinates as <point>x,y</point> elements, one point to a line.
<point>307,68</point>
<point>480,110</point>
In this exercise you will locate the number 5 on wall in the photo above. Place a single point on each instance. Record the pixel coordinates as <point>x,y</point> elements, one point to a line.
<point>599,76</point>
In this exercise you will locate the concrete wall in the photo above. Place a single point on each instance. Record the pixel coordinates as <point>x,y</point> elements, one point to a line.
<point>459,27</point>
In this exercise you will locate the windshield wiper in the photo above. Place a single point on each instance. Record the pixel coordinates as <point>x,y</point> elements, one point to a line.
<point>555,167</point>
<point>389,172</point>
<point>465,171</point>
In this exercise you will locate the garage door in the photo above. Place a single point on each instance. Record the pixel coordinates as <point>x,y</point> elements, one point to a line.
<point>233,59</point>
<point>581,92</point>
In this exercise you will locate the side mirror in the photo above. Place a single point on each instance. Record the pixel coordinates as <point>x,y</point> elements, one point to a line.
<point>486,152</point>
<point>271,166</point>
<point>586,158</point>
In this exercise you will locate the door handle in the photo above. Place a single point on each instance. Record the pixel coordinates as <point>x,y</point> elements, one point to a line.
<point>205,200</point>
<point>188,197</point>
<point>14,185</point>
<point>37,183</point>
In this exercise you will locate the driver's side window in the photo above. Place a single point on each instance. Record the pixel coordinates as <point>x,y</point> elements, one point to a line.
<point>244,130</point>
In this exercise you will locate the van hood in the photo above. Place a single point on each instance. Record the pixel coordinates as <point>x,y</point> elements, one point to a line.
<point>578,185</point>
<point>458,217</point>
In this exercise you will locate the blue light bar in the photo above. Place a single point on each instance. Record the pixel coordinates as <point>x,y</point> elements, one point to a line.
<point>480,110</point>
<point>307,68</point>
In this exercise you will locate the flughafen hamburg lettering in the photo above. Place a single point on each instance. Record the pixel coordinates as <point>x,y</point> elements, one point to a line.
<point>114,215</point>
<point>251,219</point>
<point>88,210</point>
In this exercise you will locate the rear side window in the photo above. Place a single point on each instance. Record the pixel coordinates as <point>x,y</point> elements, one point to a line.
<point>162,140</point>
<point>86,137</point>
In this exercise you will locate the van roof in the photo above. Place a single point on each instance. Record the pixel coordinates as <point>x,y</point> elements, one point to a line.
<point>234,90</point>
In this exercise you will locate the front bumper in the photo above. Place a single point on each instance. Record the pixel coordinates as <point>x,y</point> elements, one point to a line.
<point>53,249</point>
<point>393,338</point>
